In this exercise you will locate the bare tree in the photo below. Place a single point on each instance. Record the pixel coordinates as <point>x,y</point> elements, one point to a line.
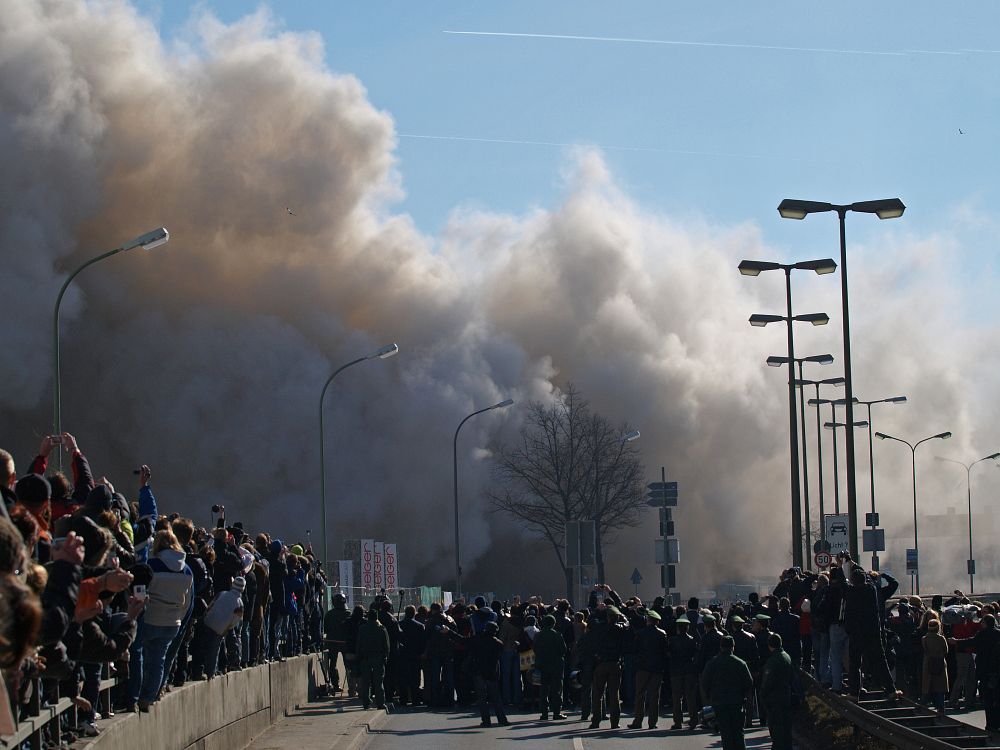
<point>569,464</point>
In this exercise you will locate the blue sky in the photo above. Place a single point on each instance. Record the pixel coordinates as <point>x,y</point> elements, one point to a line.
<point>722,132</point>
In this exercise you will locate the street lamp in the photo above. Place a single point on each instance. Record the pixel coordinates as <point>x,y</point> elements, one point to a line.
<point>149,240</point>
<point>754,268</point>
<point>914,578</point>
<point>802,383</point>
<point>889,208</point>
<point>871,464</point>
<point>384,352</point>
<point>458,555</point>
<point>971,564</point>
<point>822,359</point>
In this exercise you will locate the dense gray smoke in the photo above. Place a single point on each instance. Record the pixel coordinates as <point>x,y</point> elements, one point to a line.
<point>205,358</point>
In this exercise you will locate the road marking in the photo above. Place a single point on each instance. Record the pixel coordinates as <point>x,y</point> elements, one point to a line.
<point>577,743</point>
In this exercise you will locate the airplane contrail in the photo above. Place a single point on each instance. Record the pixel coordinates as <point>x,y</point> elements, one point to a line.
<point>558,144</point>
<point>678,43</point>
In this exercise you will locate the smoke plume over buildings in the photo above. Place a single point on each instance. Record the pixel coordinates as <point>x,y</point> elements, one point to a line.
<point>205,358</point>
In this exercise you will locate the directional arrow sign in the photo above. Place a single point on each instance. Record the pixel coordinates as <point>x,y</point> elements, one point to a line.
<point>662,494</point>
<point>636,577</point>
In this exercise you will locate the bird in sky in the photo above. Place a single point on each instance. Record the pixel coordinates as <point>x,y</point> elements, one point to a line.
<point>290,211</point>
<point>960,132</point>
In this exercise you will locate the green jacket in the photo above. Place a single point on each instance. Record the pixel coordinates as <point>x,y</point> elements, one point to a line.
<point>726,680</point>
<point>550,651</point>
<point>776,682</point>
<point>373,640</point>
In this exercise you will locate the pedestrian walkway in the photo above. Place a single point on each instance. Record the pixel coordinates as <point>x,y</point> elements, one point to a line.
<point>338,724</point>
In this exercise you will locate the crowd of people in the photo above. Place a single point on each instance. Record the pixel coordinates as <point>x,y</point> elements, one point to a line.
<point>91,578</point>
<point>706,668</point>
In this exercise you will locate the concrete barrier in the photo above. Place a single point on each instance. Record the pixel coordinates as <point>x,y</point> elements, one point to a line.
<point>226,712</point>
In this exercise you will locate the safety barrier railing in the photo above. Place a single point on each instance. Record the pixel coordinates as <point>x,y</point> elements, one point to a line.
<point>41,721</point>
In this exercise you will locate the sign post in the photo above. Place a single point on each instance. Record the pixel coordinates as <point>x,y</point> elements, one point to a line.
<point>663,495</point>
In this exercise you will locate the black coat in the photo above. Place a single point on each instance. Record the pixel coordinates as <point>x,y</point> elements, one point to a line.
<point>650,650</point>
<point>683,654</point>
<point>746,649</point>
<point>412,638</point>
<point>484,656</point>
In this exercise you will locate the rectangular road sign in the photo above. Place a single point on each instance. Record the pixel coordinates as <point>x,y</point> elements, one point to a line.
<point>668,576</point>
<point>580,543</point>
<point>662,494</point>
<point>667,551</point>
<point>837,531</point>
<point>911,561</point>
<point>873,540</point>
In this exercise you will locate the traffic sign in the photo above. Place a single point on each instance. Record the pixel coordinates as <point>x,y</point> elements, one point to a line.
<point>668,577</point>
<point>667,551</point>
<point>837,528</point>
<point>873,540</point>
<point>662,494</point>
<point>636,577</point>
<point>911,561</point>
<point>823,560</point>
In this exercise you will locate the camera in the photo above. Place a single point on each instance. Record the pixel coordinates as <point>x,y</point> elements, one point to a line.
<point>218,508</point>
<point>56,439</point>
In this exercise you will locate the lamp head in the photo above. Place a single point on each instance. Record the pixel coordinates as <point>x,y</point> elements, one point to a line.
<point>943,435</point>
<point>887,208</point>
<point>992,457</point>
<point>817,319</point>
<point>149,240</point>
<point>774,361</point>
<point>384,352</point>
<point>821,359</point>
<point>790,208</point>
<point>759,321</point>
<point>834,381</point>
<point>628,437</point>
<point>819,401</point>
<point>896,400</point>
<point>821,267</point>
<point>503,404</point>
<point>881,435</point>
<point>754,267</point>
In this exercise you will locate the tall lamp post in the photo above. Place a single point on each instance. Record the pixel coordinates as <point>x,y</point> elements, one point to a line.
<point>802,383</point>
<point>914,577</point>
<point>823,359</point>
<point>754,268</point>
<point>888,208</point>
<point>384,352</point>
<point>149,240</point>
<point>971,564</point>
<point>834,426</point>
<point>458,554</point>
<point>873,519</point>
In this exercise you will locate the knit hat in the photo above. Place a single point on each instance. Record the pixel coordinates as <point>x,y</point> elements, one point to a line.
<point>296,549</point>
<point>33,490</point>
<point>275,546</point>
<point>548,622</point>
<point>239,583</point>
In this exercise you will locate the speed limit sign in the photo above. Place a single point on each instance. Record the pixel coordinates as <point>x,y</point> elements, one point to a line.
<point>823,560</point>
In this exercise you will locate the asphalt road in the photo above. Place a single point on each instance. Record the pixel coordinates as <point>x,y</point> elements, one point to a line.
<point>419,730</point>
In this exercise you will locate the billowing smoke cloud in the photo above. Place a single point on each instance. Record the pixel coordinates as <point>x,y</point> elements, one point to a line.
<point>205,358</point>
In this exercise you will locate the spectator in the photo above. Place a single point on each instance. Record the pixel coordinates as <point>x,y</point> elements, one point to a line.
<point>373,650</point>
<point>485,650</point>
<point>550,660</point>
<point>726,683</point>
<point>935,675</point>
<point>221,619</point>
<point>170,599</point>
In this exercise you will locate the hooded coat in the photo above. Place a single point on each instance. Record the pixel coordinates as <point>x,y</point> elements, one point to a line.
<point>223,615</point>
<point>170,590</point>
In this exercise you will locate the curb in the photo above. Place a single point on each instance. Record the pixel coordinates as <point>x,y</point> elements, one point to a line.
<point>366,730</point>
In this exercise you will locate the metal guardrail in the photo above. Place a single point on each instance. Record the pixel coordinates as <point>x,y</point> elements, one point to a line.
<point>902,723</point>
<point>42,719</point>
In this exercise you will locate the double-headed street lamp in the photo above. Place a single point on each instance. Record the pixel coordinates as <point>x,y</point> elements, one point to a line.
<point>822,359</point>
<point>871,465</point>
<point>914,577</point>
<point>149,240</point>
<point>384,352</point>
<point>971,564</point>
<point>454,446</point>
<point>889,208</point>
<point>802,383</point>
<point>754,268</point>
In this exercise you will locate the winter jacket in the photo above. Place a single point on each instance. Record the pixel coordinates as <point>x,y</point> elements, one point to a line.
<point>550,651</point>
<point>776,683</point>
<point>334,625</point>
<point>106,637</point>
<point>683,653</point>
<point>224,615</point>
<point>934,678</point>
<point>147,511</point>
<point>484,656</point>
<point>412,638</point>
<point>650,650</point>
<point>170,590</point>
<point>373,641</point>
<point>726,681</point>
